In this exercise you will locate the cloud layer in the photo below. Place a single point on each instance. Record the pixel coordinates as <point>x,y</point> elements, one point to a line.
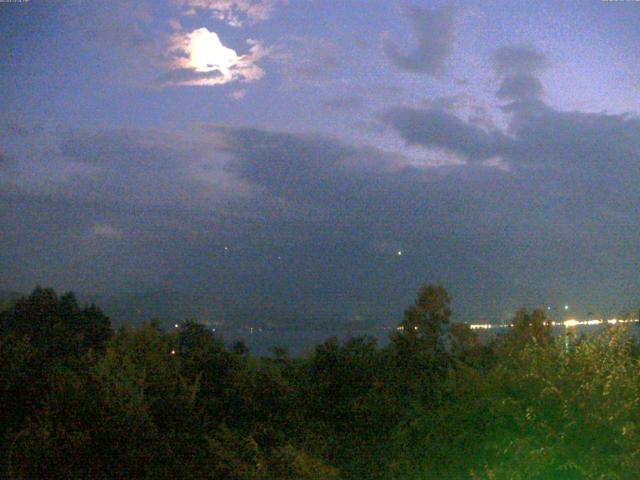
<point>494,174</point>
<point>337,212</point>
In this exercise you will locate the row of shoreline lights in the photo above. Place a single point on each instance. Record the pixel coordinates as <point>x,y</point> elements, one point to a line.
<point>569,323</point>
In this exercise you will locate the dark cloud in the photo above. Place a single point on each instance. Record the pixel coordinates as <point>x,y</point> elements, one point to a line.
<point>190,76</point>
<point>127,169</point>
<point>308,171</point>
<point>316,221</point>
<point>445,103</point>
<point>358,189</point>
<point>281,161</point>
<point>125,26</point>
<point>515,60</point>
<point>574,176</point>
<point>304,60</point>
<point>519,67</point>
<point>584,157</point>
<point>538,135</point>
<point>128,150</point>
<point>503,197</point>
<point>473,220</point>
<point>357,192</point>
<point>567,153</point>
<point>22,129</point>
<point>335,213</point>
<point>434,30</point>
<point>437,128</point>
<point>518,87</point>
<point>575,139</point>
<point>590,145</point>
<point>345,104</point>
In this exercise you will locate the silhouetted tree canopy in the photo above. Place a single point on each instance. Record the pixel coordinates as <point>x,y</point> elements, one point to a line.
<point>437,401</point>
<point>56,325</point>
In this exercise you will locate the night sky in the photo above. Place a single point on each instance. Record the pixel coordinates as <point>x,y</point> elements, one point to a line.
<point>322,159</point>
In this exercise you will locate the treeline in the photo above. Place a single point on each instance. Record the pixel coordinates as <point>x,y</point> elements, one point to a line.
<point>80,401</point>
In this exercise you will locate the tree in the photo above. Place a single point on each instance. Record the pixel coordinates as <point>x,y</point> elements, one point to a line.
<point>57,326</point>
<point>240,348</point>
<point>527,328</point>
<point>22,387</point>
<point>463,339</point>
<point>346,409</point>
<point>538,413</point>
<point>281,354</point>
<point>419,355</point>
<point>95,327</point>
<point>424,320</point>
<point>91,425</point>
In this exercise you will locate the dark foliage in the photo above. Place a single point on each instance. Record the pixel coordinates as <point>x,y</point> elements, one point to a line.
<point>81,402</point>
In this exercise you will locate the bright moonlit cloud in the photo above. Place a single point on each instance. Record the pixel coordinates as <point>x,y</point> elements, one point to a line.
<point>200,58</point>
<point>206,52</point>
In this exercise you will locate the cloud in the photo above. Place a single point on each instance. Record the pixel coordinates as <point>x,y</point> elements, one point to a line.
<point>538,135</point>
<point>519,87</point>
<point>351,208</point>
<point>12,126</point>
<point>317,179</point>
<point>519,68</point>
<point>580,169</point>
<point>324,180</point>
<point>286,164</point>
<point>233,12</point>
<point>124,149</point>
<point>439,129</point>
<point>127,167</point>
<point>199,58</point>
<point>238,94</point>
<point>345,104</point>
<point>522,208</point>
<point>124,28</point>
<point>307,60</point>
<point>515,60</point>
<point>336,212</point>
<point>434,30</point>
<point>107,231</point>
<point>590,146</point>
<point>597,143</point>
